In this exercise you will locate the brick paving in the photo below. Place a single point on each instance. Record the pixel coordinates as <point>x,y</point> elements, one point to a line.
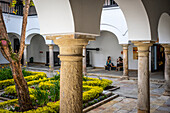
<point>127,101</point>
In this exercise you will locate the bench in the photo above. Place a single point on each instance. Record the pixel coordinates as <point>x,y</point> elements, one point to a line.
<point>120,68</point>
<point>112,68</point>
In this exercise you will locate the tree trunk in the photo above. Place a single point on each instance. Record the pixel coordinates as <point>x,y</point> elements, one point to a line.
<point>21,87</point>
<point>15,60</point>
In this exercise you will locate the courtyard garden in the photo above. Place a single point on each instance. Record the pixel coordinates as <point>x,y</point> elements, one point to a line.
<point>45,92</point>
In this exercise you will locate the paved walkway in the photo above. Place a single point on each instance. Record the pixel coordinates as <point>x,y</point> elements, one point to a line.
<point>127,101</point>
<point>132,74</point>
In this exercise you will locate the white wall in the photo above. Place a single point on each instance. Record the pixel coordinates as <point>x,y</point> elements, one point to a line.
<point>108,45</point>
<point>164,29</point>
<point>37,45</point>
<point>2,59</point>
<point>133,64</point>
<point>69,16</point>
<point>137,19</point>
<point>14,23</point>
<point>11,37</point>
<point>113,20</point>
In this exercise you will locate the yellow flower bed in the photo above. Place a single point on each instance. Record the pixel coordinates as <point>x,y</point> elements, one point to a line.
<point>13,101</point>
<point>53,107</point>
<point>96,82</point>
<point>94,92</point>
<point>35,76</point>
<point>93,88</point>
<point>12,90</point>
<point>46,85</point>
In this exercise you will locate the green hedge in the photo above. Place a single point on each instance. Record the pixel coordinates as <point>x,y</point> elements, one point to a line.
<point>96,82</point>
<point>53,107</point>
<point>34,76</point>
<point>93,88</point>
<point>6,73</point>
<point>50,108</point>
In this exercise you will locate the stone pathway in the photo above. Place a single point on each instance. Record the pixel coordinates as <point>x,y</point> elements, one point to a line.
<point>1,92</point>
<point>113,73</point>
<point>127,101</point>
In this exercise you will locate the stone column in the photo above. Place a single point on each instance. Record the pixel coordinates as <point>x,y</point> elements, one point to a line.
<point>167,69</point>
<point>51,57</point>
<point>71,78</point>
<point>125,61</point>
<point>143,76</point>
<point>25,56</point>
<point>84,61</point>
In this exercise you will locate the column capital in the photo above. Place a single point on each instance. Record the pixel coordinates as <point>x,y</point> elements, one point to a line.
<point>71,49</point>
<point>143,47</point>
<point>26,45</point>
<point>166,47</point>
<point>51,46</point>
<point>143,44</point>
<point>125,46</point>
<point>71,42</point>
<point>84,47</point>
<point>72,36</point>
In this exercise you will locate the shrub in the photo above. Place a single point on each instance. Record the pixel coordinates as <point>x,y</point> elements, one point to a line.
<point>12,90</point>
<point>36,76</point>
<point>55,91</point>
<point>97,82</point>
<point>13,101</point>
<point>94,92</point>
<point>6,73</point>
<point>93,88</point>
<point>57,76</point>
<point>41,96</point>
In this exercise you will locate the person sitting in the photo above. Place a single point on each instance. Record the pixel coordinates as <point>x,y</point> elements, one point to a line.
<point>109,63</point>
<point>119,63</point>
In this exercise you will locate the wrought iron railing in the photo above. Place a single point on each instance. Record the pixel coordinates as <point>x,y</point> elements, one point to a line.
<point>110,3</point>
<point>17,10</point>
<point>32,10</point>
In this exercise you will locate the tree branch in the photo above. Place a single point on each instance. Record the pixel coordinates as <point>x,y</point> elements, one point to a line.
<point>24,25</point>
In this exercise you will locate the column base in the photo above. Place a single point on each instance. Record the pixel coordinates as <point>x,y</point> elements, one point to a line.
<point>51,70</point>
<point>124,77</point>
<point>166,93</point>
<point>143,111</point>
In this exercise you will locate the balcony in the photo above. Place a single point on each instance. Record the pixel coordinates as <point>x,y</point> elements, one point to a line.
<point>18,7</point>
<point>110,3</point>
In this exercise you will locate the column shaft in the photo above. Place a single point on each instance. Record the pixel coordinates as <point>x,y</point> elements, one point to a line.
<point>51,57</point>
<point>25,56</point>
<point>125,61</point>
<point>84,61</point>
<point>167,70</point>
<point>71,74</point>
<point>143,77</point>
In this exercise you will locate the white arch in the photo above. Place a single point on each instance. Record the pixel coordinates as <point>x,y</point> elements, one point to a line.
<point>29,38</point>
<point>137,19</point>
<point>164,29</point>
<point>122,38</point>
<point>32,31</point>
<point>69,16</point>
<point>15,34</point>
